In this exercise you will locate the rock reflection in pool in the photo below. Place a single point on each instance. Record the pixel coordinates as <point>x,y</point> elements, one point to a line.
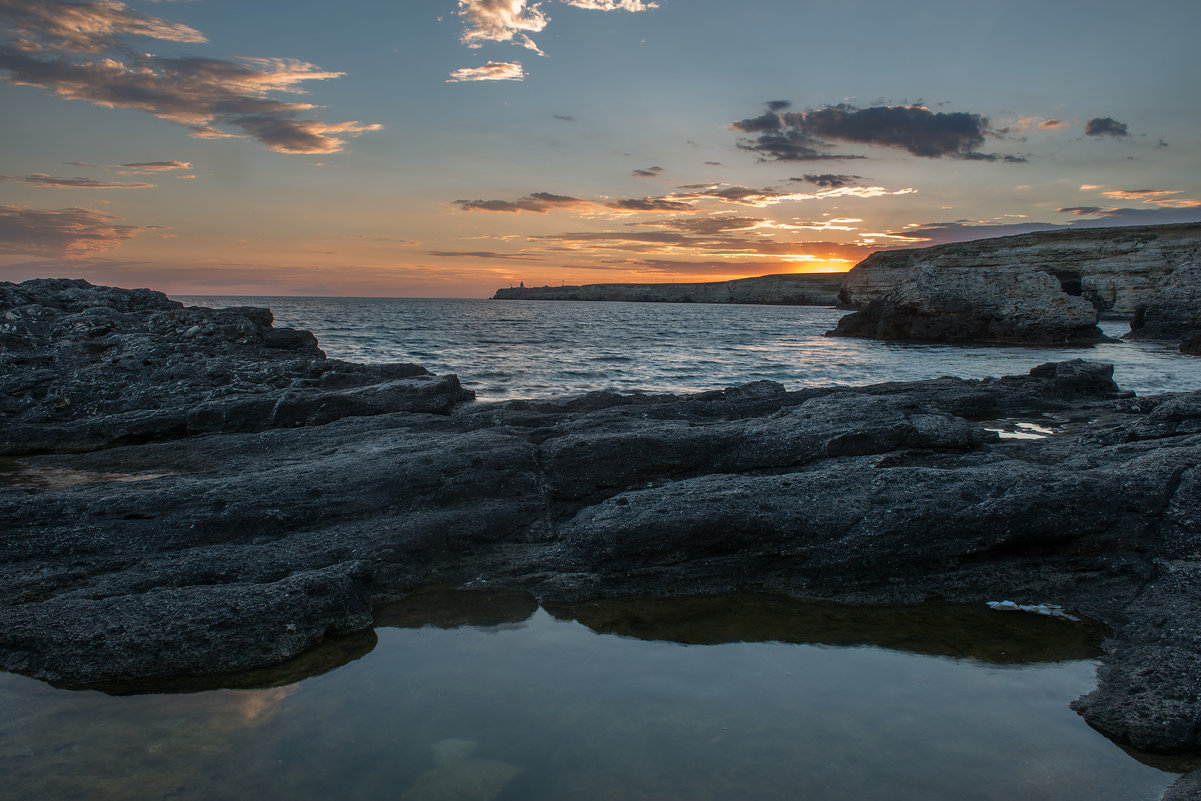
<point>480,696</point>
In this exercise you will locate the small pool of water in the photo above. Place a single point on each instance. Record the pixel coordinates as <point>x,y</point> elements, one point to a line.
<point>477,696</point>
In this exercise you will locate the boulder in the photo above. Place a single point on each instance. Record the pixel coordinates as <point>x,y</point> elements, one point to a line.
<point>1173,311</point>
<point>956,304</point>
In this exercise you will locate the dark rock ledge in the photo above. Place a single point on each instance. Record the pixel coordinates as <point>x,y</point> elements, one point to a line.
<point>237,539</point>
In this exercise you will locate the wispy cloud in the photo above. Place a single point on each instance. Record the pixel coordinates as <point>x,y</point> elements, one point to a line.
<point>770,196</point>
<point>684,200</point>
<point>515,22</point>
<point>611,5</point>
<point>827,180</point>
<point>49,181</point>
<point>538,202</point>
<point>85,27</point>
<point>501,21</point>
<point>1140,194</point>
<point>492,71</point>
<point>77,50</point>
<point>648,204</point>
<point>149,167</point>
<point>482,254</point>
<point>649,172</point>
<point>1153,197</point>
<point>1105,126</point>
<point>781,135</point>
<point>61,233</point>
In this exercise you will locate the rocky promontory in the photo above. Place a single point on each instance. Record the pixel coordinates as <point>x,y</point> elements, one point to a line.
<point>791,289</point>
<point>188,550</point>
<point>1115,269</point>
<point>958,304</point>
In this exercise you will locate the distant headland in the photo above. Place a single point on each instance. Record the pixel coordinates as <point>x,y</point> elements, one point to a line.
<point>786,289</point>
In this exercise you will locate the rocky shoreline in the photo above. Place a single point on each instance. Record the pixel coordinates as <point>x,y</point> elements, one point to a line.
<point>192,491</point>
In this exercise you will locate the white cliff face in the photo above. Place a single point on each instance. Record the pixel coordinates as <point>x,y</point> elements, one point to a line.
<point>1117,269</point>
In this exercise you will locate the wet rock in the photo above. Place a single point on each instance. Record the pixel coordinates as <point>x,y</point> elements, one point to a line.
<point>954,304</point>
<point>1186,788</point>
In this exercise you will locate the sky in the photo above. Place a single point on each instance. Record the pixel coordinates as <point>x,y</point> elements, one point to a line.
<point>447,148</point>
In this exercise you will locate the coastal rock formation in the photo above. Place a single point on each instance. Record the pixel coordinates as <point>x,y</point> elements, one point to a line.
<point>1115,269</point>
<point>957,304</point>
<point>235,548</point>
<point>1173,311</point>
<point>793,289</point>
<point>84,367</point>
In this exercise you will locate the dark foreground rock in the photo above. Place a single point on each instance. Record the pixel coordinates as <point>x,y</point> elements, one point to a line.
<point>236,549</point>
<point>85,367</point>
<point>955,304</point>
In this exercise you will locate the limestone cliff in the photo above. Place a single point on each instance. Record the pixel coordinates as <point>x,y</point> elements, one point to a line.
<point>1117,269</point>
<point>1173,311</point>
<point>793,289</point>
<point>958,304</point>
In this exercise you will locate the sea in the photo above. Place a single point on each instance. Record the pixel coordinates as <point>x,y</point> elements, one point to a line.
<point>505,349</point>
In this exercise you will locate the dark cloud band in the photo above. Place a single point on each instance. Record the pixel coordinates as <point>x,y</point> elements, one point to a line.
<point>778,135</point>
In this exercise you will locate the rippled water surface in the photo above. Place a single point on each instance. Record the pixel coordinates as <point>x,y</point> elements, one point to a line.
<point>489,697</point>
<point>515,349</point>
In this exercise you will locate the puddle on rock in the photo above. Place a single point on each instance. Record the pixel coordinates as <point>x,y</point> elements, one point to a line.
<point>1013,428</point>
<point>36,476</point>
<point>487,696</point>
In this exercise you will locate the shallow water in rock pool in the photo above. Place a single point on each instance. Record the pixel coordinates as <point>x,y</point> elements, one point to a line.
<point>477,696</point>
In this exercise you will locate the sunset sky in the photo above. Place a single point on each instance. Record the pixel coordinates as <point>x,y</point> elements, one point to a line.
<point>444,148</point>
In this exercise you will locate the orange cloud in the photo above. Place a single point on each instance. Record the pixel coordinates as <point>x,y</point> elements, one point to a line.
<point>61,233</point>
<point>74,50</point>
<point>43,180</point>
<point>492,71</point>
<point>1140,194</point>
<point>501,21</point>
